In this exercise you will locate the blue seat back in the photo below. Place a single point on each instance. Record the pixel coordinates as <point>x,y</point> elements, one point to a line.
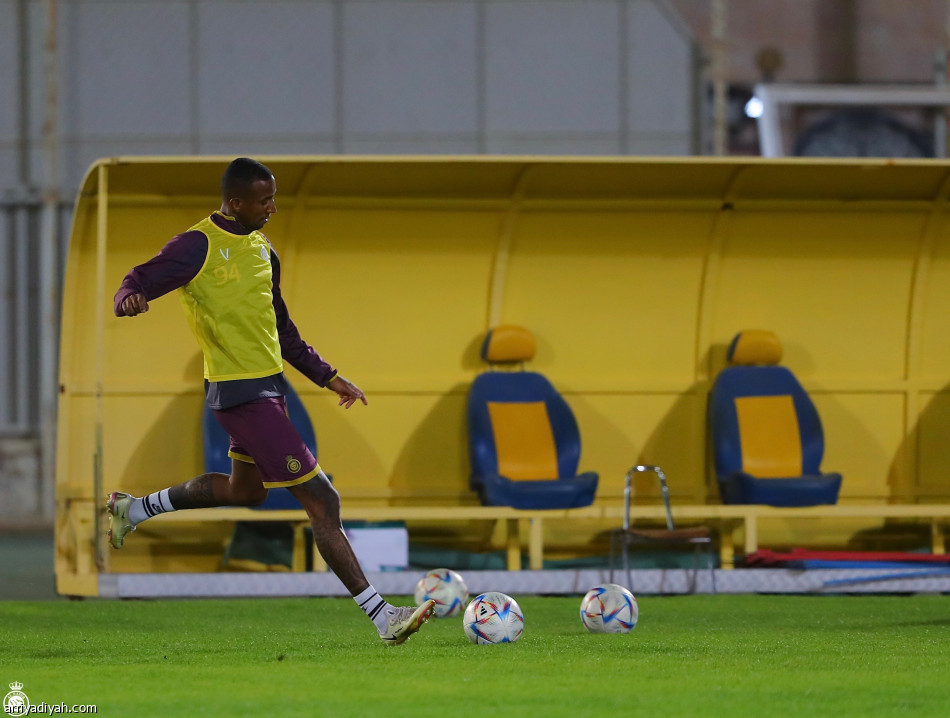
<point>532,399</point>
<point>731,439</point>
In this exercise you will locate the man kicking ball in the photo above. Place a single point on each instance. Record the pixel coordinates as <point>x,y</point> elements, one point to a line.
<point>229,277</point>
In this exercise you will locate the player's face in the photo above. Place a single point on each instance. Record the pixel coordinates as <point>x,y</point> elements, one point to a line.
<point>257,205</point>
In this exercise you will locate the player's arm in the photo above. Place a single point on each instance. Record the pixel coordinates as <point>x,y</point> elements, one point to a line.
<point>303,357</point>
<point>174,266</point>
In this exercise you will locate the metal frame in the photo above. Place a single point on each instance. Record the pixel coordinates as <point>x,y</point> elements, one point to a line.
<point>628,493</point>
<point>33,248</point>
<point>773,96</point>
<point>670,537</point>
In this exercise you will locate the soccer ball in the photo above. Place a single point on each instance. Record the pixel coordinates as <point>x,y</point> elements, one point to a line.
<point>609,608</point>
<point>493,617</point>
<point>446,588</point>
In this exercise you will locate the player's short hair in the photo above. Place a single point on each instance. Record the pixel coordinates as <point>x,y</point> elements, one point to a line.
<point>240,175</point>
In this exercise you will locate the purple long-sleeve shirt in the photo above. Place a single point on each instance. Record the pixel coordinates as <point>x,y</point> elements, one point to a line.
<point>178,263</point>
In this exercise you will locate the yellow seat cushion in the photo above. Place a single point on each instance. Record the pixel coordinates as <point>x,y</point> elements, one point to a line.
<point>524,442</point>
<point>769,436</point>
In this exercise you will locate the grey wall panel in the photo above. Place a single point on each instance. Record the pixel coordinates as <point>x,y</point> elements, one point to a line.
<point>409,67</point>
<point>420,145</point>
<point>673,144</point>
<point>9,72</point>
<point>36,21</point>
<point>361,76</point>
<point>125,69</point>
<point>552,66</point>
<point>552,145</point>
<point>265,68</point>
<point>280,145</point>
<point>659,72</point>
<point>9,157</point>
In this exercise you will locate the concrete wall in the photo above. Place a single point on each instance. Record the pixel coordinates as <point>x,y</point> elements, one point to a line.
<point>355,76</point>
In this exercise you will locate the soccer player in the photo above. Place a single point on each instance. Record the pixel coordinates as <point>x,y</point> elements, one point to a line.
<point>229,277</point>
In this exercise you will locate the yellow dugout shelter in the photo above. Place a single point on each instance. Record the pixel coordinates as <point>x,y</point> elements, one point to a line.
<point>633,275</point>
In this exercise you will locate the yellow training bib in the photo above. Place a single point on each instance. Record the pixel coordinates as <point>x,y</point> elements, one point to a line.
<point>230,306</point>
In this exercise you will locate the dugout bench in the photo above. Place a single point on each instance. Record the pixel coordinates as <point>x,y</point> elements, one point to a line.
<point>77,572</point>
<point>728,520</point>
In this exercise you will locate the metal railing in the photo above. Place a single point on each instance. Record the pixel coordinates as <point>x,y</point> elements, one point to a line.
<point>33,240</point>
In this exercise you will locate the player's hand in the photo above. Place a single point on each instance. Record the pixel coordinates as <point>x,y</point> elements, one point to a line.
<point>348,392</point>
<point>134,304</point>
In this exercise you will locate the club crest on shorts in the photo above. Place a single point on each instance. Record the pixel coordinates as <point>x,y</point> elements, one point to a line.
<point>293,465</point>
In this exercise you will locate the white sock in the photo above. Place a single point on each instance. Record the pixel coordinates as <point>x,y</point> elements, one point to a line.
<point>374,606</point>
<point>149,506</point>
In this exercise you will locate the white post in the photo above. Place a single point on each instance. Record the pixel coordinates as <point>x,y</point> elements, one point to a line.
<point>49,284</point>
<point>769,123</point>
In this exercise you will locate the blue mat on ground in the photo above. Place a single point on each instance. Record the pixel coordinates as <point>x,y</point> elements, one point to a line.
<point>821,563</point>
<point>804,558</point>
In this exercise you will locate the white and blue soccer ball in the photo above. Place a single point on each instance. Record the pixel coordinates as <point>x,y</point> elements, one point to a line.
<point>446,588</point>
<point>609,608</point>
<point>492,618</point>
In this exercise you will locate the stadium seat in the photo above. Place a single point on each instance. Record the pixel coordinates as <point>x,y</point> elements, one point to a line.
<point>767,440</point>
<point>524,445</point>
<point>217,442</point>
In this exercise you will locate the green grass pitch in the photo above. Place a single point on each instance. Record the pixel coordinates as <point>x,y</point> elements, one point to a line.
<point>688,656</point>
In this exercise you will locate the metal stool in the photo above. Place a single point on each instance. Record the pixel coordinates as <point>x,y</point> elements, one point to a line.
<point>697,536</point>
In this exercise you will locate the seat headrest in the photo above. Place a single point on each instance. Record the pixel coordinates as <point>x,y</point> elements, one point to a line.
<point>508,343</point>
<point>755,346</point>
